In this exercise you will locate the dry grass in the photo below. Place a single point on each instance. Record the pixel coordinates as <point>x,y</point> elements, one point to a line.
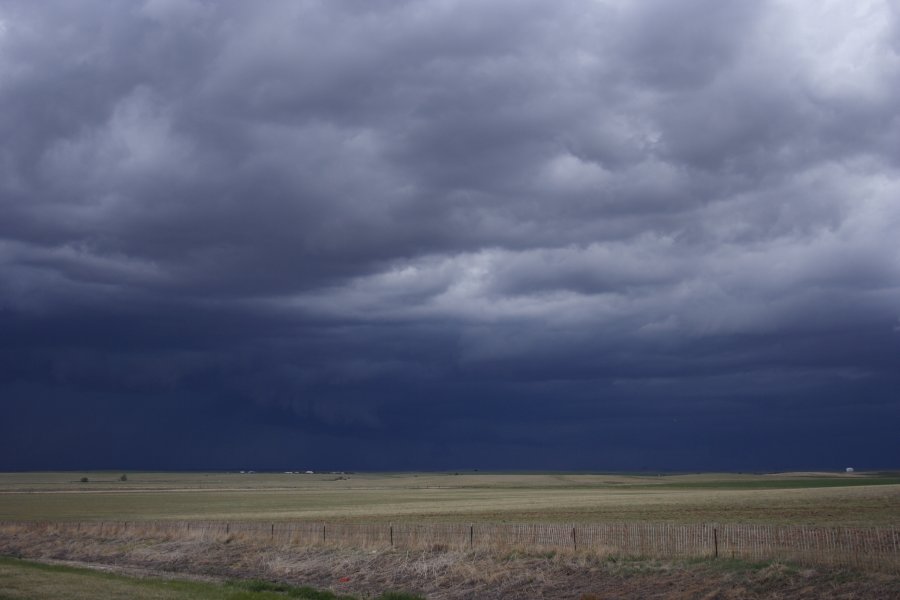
<point>869,548</point>
<point>446,574</point>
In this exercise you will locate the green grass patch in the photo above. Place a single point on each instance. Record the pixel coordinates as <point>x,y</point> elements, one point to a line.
<point>307,593</point>
<point>26,580</point>
<point>287,590</point>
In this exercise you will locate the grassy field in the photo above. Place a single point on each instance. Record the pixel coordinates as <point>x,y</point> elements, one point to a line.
<point>323,574</point>
<point>863,499</point>
<point>815,499</point>
<point>34,581</point>
<point>27,580</point>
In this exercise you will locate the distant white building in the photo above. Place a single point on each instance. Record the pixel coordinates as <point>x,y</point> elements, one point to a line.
<point>849,469</point>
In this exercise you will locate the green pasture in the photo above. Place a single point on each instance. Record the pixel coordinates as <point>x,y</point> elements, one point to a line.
<point>802,498</point>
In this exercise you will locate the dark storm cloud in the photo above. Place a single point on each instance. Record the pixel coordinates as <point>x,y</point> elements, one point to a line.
<point>413,234</point>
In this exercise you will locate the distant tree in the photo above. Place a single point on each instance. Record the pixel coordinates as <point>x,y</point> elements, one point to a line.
<point>124,477</point>
<point>84,480</point>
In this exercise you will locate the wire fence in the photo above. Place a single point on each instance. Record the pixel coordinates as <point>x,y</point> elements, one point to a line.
<point>846,546</point>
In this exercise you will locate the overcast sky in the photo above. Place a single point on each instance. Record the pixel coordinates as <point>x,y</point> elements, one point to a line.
<point>448,234</point>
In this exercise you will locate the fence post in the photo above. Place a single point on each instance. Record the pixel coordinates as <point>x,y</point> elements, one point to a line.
<point>574,541</point>
<point>471,535</point>
<point>716,542</point>
<point>273,531</point>
<point>323,533</point>
<point>392,535</point>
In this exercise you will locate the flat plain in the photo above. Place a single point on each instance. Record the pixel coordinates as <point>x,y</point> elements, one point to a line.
<point>827,499</point>
<point>841,500</point>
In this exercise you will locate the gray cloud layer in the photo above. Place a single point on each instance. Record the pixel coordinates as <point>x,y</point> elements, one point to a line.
<point>485,217</point>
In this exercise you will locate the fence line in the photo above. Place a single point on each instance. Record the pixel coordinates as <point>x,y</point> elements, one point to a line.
<point>847,546</point>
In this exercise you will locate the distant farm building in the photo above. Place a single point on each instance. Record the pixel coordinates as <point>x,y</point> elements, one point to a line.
<point>849,469</point>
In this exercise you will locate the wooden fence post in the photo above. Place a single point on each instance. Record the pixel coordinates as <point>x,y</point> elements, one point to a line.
<point>471,535</point>
<point>392,535</point>
<point>574,541</point>
<point>716,542</point>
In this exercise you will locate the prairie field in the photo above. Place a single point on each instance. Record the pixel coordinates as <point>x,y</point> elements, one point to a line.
<point>822,499</point>
<point>454,535</point>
